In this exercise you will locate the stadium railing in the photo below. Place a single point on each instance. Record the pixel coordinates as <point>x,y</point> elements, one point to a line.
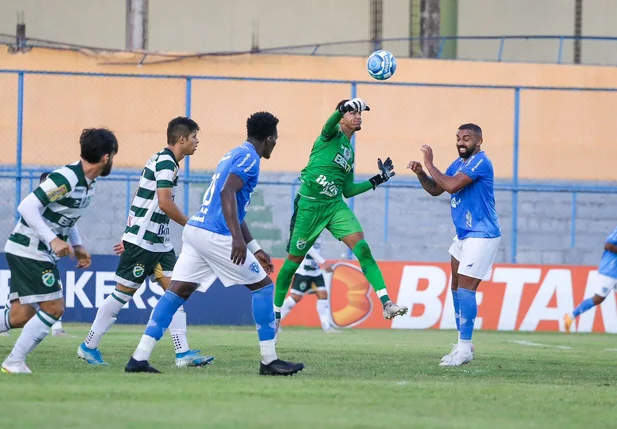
<point>26,176</point>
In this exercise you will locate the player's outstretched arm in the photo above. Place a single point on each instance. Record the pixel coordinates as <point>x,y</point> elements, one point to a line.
<point>450,184</point>
<point>330,128</point>
<point>386,171</point>
<point>426,181</point>
<point>169,207</point>
<point>232,186</point>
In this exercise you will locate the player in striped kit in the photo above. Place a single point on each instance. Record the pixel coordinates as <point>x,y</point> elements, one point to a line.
<point>146,249</point>
<point>45,232</point>
<point>309,279</point>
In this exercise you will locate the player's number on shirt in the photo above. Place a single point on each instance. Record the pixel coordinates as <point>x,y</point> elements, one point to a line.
<point>210,191</point>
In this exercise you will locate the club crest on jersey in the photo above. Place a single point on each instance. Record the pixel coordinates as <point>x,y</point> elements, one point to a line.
<point>48,278</point>
<point>301,244</point>
<point>254,267</point>
<point>138,270</point>
<point>57,193</point>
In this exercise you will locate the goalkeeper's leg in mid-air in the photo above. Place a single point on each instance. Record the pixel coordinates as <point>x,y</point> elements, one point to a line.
<point>319,205</point>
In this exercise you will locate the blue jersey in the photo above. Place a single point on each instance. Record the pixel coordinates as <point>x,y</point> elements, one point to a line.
<point>473,207</point>
<point>608,264</point>
<point>242,161</point>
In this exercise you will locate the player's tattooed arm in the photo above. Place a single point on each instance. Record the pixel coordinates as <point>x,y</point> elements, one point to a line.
<point>232,185</point>
<point>169,207</point>
<point>426,181</point>
<point>450,184</point>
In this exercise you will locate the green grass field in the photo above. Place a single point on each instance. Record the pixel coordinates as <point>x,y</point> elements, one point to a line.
<point>359,379</point>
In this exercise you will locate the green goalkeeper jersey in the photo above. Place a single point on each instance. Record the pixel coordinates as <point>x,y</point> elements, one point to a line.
<point>330,164</point>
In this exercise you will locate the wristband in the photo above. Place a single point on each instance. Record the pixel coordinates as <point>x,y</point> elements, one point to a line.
<point>253,246</point>
<point>376,180</point>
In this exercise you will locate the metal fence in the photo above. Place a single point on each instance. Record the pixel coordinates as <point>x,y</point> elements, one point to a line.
<point>22,162</point>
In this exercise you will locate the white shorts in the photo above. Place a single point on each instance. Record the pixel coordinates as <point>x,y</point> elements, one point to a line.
<point>475,256</point>
<point>604,285</point>
<point>206,256</point>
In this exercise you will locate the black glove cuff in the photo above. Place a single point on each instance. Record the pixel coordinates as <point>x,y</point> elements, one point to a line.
<point>376,180</point>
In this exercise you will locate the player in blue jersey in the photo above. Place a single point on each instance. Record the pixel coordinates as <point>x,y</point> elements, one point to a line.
<point>217,243</point>
<point>606,281</point>
<point>469,180</point>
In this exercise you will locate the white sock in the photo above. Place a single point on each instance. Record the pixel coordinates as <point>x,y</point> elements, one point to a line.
<point>105,317</point>
<point>288,304</point>
<point>144,348</point>
<point>4,320</point>
<point>464,346</point>
<point>33,333</point>
<point>323,309</point>
<point>268,351</point>
<point>177,329</point>
<point>57,326</point>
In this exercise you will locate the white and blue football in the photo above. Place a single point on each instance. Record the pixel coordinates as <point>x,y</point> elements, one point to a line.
<point>381,65</point>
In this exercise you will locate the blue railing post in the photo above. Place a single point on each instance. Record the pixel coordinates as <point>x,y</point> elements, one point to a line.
<point>442,42</point>
<point>501,43</point>
<point>573,224</point>
<point>560,52</point>
<point>187,160</point>
<point>515,150</point>
<point>354,94</point>
<point>385,215</point>
<point>127,208</point>
<point>20,140</point>
<point>31,179</point>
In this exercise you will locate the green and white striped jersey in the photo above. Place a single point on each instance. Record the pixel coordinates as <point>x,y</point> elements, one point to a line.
<point>65,194</point>
<point>147,225</point>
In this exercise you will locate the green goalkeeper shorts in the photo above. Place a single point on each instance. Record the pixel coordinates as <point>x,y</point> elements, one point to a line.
<point>310,218</point>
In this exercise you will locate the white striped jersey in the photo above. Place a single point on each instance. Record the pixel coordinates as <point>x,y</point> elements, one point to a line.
<point>309,266</point>
<point>65,194</point>
<point>147,225</point>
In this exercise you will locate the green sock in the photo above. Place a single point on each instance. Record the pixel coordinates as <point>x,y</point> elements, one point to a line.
<point>371,270</point>
<point>283,281</point>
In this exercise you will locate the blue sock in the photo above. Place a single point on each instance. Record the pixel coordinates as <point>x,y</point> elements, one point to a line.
<point>263,312</point>
<point>583,307</point>
<point>456,310</point>
<point>163,313</point>
<point>469,311</point>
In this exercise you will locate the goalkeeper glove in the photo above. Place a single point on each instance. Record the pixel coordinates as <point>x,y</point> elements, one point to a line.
<point>386,171</point>
<point>353,105</point>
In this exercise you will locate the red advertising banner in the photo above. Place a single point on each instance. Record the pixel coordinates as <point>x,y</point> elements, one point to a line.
<point>517,298</point>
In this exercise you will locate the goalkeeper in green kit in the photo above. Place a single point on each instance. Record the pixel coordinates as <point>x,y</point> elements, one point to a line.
<point>319,205</point>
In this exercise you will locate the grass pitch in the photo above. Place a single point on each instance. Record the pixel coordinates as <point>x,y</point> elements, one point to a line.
<point>359,379</point>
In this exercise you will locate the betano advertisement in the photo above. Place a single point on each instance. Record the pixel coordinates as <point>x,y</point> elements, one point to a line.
<point>518,297</point>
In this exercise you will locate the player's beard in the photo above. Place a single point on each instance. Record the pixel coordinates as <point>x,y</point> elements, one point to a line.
<point>467,153</point>
<point>107,168</point>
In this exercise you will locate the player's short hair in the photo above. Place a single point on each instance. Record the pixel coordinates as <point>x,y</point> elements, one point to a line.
<point>472,127</point>
<point>44,176</point>
<point>261,125</point>
<point>340,104</point>
<point>180,127</point>
<point>96,143</point>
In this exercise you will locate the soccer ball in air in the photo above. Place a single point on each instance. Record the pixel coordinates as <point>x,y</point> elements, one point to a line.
<point>381,65</point>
